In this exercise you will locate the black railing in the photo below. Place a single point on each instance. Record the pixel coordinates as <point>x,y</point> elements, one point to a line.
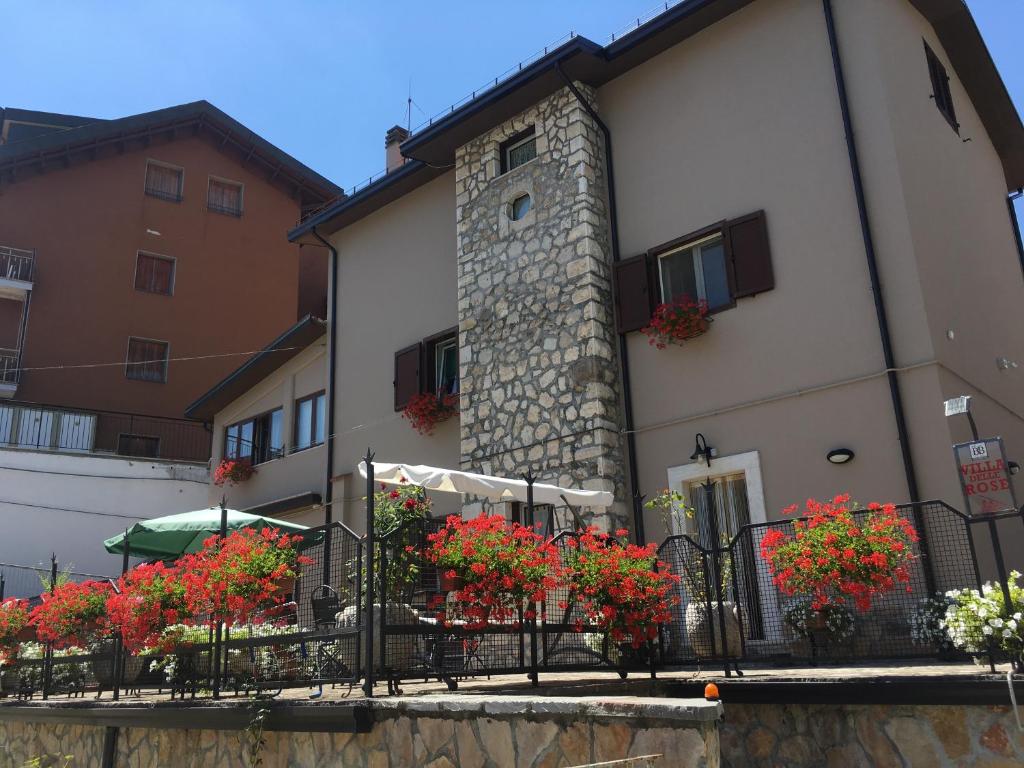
<point>17,264</point>
<point>356,618</point>
<point>44,427</point>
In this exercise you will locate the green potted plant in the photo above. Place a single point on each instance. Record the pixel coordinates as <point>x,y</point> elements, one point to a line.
<point>978,620</point>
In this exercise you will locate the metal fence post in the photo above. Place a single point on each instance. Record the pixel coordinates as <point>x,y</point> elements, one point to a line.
<point>534,674</point>
<point>3,586</point>
<point>220,624</point>
<point>48,655</point>
<point>119,660</point>
<point>370,554</point>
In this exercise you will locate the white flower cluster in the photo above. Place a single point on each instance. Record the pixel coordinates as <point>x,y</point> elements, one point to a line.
<point>926,623</point>
<point>975,620</point>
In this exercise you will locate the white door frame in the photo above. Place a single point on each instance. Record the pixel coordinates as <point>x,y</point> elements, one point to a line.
<point>749,464</point>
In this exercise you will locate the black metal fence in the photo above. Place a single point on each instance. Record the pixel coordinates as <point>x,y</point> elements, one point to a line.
<point>369,608</point>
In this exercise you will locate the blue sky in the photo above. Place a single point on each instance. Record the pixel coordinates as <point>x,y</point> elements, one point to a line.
<point>322,79</point>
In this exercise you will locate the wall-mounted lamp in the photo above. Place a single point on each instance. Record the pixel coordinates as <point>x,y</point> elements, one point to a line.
<point>840,456</point>
<point>703,451</point>
<point>1013,466</point>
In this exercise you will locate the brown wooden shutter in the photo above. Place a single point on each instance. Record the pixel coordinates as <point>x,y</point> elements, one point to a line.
<point>407,375</point>
<point>633,293</point>
<point>749,258</point>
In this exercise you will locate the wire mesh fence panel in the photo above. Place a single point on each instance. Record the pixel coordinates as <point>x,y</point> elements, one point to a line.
<point>328,590</point>
<point>695,629</point>
<point>900,623</point>
<point>424,631</point>
<point>569,639</point>
<point>29,581</point>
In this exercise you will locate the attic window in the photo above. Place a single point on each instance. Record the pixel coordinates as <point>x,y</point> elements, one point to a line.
<point>519,150</point>
<point>164,181</point>
<point>940,88</point>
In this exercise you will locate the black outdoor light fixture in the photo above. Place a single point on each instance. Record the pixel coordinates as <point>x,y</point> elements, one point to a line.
<point>1013,466</point>
<point>840,456</point>
<point>703,451</point>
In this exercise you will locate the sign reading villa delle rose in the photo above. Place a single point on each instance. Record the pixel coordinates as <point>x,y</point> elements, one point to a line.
<point>984,477</point>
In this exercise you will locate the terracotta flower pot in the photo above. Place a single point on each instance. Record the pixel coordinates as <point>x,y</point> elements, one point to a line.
<point>448,583</point>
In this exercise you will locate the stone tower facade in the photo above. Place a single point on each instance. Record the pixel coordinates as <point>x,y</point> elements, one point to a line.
<point>539,381</point>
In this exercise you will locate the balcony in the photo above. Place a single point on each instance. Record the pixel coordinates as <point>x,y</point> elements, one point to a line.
<point>17,272</point>
<point>48,428</point>
<point>8,372</point>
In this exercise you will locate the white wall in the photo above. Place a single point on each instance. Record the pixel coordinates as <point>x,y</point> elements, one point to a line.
<point>68,504</point>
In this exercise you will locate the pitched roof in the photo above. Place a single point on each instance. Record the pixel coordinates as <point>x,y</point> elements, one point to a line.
<point>254,370</point>
<point>581,59</point>
<point>54,149</point>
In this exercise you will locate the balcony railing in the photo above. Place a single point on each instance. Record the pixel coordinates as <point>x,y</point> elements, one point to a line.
<point>49,428</point>
<point>8,366</point>
<point>17,264</point>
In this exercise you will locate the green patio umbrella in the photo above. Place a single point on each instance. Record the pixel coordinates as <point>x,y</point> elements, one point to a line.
<point>175,535</point>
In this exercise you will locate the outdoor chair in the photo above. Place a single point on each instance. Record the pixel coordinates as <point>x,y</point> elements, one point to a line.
<point>328,662</point>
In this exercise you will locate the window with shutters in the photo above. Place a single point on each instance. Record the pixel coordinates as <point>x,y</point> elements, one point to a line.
<point>696,270</point>
<point>259,439</point>
<point>147,360</point>
<point>941,93</point>
<point>431,365</point>
<point>154,274</point>
<point>164,181</point>
<point>518,150</point>
<point>719,264</point>
<point>224,196</point>
<point>309,421</point>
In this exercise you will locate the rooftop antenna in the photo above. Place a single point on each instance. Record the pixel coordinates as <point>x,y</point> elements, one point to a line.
<point>408,108</point>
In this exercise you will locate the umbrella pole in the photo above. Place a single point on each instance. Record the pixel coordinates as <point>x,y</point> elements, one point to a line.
<point>118,649</point>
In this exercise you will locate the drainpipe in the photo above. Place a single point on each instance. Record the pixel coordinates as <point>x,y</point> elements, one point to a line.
<point>627,389</point>
<point>1015,223</point>
<point>876,292</point>
<point>332,324</point>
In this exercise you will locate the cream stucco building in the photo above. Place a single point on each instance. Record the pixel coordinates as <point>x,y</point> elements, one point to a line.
<point>831,177</point>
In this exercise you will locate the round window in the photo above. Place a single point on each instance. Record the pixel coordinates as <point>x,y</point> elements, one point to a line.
<point>520,207</point>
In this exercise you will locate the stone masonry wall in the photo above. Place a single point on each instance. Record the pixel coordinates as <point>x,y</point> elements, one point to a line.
<point>400,739</point>
<point>802,736</point>
<point>538,353</point>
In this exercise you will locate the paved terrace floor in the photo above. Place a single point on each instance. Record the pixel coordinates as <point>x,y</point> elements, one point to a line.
<point>867,683</point>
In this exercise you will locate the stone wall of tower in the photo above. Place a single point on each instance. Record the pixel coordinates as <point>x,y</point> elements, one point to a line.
<point>539,372</point>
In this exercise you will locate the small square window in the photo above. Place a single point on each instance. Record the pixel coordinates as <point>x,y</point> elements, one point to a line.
<point>940,88</point>
<point>147,360</point>
<point>141,446</point>
<point>224,197</point>
<point>164,181</point>
<point>154,274</point>
<point>697,270</point>
<point>518,150</point>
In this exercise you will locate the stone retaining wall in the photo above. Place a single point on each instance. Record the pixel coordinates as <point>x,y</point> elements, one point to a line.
<point>801,736</point>
<point>427,732</point>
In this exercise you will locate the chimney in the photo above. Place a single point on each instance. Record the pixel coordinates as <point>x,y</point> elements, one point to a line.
<point>392,139</point>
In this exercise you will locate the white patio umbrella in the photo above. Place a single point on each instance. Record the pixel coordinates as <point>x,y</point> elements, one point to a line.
<point>489,486</point>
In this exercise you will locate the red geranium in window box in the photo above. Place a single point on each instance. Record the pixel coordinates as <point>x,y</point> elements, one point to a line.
<point>833,556</point>
<point>426,410</point>
<point>152,598</point>
<point>233,471</point>
<point>235,579</point>
<point>72,613</point>
<point>502,565</point>
<point>13,622</point>
<point>621,587</point>
<point>677,321</point>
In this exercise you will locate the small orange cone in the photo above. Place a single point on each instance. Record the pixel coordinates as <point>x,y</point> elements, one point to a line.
<point>711,692</point>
